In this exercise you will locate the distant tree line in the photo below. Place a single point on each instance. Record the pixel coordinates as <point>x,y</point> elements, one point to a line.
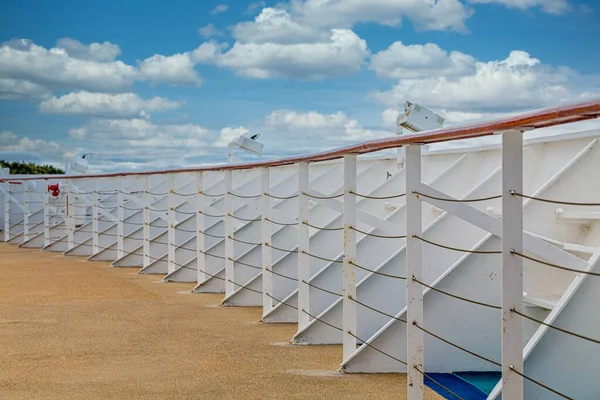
<point>22,167</point>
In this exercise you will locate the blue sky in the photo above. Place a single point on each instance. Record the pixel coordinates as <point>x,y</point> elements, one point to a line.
<point>153,84</point>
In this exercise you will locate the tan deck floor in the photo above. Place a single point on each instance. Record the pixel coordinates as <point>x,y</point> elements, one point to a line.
<point>73,329</point>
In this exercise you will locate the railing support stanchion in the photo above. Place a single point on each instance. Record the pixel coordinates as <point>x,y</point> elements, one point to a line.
<point>512,265</point>
<point>95,224</point>
<point>69,214</point>
<point>303,246</point>
<point>46,214</point>
<point>146,219</point>
<point>6,211</point>
<point>120,217</point>
<point>171,230</point>
<point>414,269</point>
<point>349,270</point>
<point>26,211</point>
<point>265,230</point>
<point>200,237</point>
<point>229,276</point>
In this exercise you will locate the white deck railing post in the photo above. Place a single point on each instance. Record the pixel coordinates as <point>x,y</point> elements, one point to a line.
<point>349,270</point>
<point>200,237</point>
<point>46,213</point>
<point>512,265</point>
<point>120,217</point>
<point>95,225</point>
<point>303,246</point>
<point>146,219</point>
<point>69,214</point>
<point>26,210</point>
<point>6,211</point>
<point>229,276</point>
<point>265,233</point>
<point>171,230</point>
<point>414,269</point>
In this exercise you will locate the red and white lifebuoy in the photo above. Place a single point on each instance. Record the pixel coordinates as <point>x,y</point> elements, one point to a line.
<point>54,190</point>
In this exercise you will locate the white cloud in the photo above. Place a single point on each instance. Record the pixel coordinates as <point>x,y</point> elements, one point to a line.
<point>55,68</point>
<point>137,143</point>
<point>209,30</point>
<point>124,105</point>
<point>10,142</point>
<point>313,130</point>
<point>549,6</point>
<point>517,82</point>
<point>142,132</point>
<point>101,52</point>
<point>18,89</point>
<point>343,54</point>
<point>8,137</point>
<point>177,69</point>
<point>425,14</point>
<point>221,8</point>
<point>401,61</point>
<point>277,26</point>
<point>227,134</point>
<point>253,6</point>
<point>77,133</point>
<point>308,120</point>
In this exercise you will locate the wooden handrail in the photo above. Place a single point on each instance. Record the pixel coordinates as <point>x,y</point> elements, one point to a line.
<point>531,120</point>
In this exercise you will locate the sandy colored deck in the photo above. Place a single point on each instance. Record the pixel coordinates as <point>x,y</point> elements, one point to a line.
<point>73,329</point>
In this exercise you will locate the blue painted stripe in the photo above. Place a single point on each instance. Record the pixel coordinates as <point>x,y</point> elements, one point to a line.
<point>454,384</point>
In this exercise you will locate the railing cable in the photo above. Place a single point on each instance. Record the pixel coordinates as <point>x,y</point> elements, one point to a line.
<point>540,384</point>
<point>556,327</point>
<point>458,200</point>
<point>244,196</point>
<point>377,272</point>
<point>244,264</point>
<point>323,197</point>
<point>457,297</point>
<point>321,258</point>
<point>566,203</point>
<point>281,223</point>
<point>323,228</point>
<point>321,321</point>
<point>377,197</point>
<point>554,265</point>
<point>376,310</point>
<point>378,236</point>
<point>282,197</point>
<point>457,248</point>
<point>457,346</point>
<point>321,289</point>
<point>243,241</point>
<point>245,219</point>
<point>280,249</point>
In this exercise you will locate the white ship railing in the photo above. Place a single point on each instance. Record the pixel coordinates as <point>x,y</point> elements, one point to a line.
<point>271,233</point>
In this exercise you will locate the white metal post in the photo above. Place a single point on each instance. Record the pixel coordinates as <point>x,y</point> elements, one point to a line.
<point>265,230</point>
<point>512,265</point>
<point>6,211</point>
<point>349,270</point>
<point>414,269</point>
<point>120,217</point>
<point>26,210</point>
<point>200,237</point>
<point>46,214</point>
<point>171,231</point>
<point>146,218</point>
<point>303,245</point>
<point>229,273</point>
<point>95,224</point>
<point>70,217</point>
